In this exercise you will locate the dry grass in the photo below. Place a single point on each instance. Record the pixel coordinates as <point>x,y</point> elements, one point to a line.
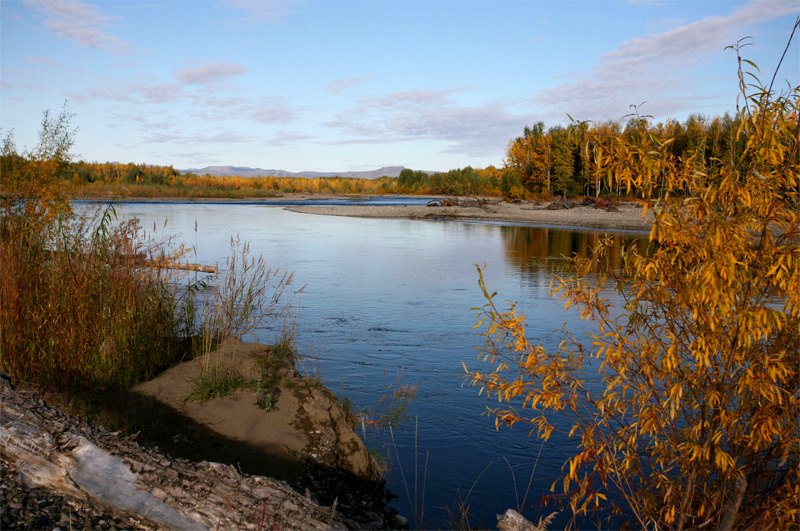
<point>77,311</point>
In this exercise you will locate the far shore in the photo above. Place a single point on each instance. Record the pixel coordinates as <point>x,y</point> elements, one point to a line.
<point>627,217</point>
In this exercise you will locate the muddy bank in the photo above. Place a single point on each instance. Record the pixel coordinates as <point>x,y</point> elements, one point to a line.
<point>624,216</point>
<point>303,423</point>
<point>301,434</point>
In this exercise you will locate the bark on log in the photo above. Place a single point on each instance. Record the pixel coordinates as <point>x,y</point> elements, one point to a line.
<point>87,463</point>
<point>511,520</point>
<point>141,260</point>
<point>185,266</point>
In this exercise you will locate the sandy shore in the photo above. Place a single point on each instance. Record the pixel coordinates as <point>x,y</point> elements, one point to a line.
<point>627,217</point>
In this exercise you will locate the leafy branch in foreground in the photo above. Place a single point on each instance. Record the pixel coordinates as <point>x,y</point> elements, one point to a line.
<point>695,422</point>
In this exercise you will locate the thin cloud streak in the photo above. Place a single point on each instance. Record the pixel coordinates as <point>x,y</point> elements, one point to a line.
<point>692,41</point>
<point>272,115</point>
<point>284,138</point>
<point>642,69</point>
<point>258,10</point>
<point>429,115</point>
<point>80,22</point>
<point>209,74</point>
<point>340,85</point>
<point>205,107</point>
<point>133,93</point>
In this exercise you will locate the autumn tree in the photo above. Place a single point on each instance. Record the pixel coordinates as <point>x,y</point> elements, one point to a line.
<point>694,423</point>
<point>30,181</point>
<point>529,156</point>
<point>561,160</point>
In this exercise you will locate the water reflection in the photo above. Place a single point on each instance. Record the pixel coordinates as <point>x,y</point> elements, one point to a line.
<point>527,247</point>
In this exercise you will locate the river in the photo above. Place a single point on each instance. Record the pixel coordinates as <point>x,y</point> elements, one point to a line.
<point>391,298</point>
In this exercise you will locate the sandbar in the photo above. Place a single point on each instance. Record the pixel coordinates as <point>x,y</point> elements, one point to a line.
<point>624,217</point>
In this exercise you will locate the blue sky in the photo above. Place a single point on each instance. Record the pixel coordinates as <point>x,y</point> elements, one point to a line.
<point>354,85</point>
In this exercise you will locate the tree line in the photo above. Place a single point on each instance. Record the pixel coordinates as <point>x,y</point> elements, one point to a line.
<point>572,160</point>
<point>542,163</point>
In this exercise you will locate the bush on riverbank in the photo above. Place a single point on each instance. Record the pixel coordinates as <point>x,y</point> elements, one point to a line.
<point>88,304</point>
<point>78,310</point>
<point>692,421</point>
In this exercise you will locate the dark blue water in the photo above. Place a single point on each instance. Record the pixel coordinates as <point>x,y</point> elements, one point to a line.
<point>391,298</point>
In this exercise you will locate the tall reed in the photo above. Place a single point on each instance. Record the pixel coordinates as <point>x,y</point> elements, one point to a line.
<point>246,297</point>
<point>78,309</point>
<point>87,303</point>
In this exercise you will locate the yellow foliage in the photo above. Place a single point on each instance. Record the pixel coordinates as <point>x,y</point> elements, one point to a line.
<point>31,181</point>
<point>696,424</point>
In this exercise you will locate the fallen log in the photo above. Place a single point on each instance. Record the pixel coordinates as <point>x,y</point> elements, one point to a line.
<point>511,520</point>
<point>185,266</point>
<point>85,462</point>
<point>141,260</point>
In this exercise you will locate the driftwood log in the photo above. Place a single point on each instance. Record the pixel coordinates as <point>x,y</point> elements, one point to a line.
<point>87,463</point>
<point>171,264</point>
<point>141,260</point>
<point>511,520</point>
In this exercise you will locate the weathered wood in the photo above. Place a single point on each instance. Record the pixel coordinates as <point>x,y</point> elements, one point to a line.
<point>511,520</point>
<point>185,266</point>
<point>87,463</point>
<point>141,260</point>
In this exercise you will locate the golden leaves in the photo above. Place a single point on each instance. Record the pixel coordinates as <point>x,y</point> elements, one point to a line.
<point>701,376</point>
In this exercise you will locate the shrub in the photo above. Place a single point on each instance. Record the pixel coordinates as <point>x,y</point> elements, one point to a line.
<point>695,421</point>
<point>78,311</point>
<point>87,303</point>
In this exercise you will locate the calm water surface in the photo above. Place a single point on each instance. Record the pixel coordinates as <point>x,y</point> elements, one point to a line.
<point>387,299</point>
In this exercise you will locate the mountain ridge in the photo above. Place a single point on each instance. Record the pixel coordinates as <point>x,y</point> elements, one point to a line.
<point>244,171</point>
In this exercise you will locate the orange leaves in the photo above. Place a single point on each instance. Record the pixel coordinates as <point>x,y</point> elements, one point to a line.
<point>700,377</point>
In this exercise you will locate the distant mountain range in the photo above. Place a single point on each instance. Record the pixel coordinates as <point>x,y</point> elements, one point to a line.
<point>243,171</point>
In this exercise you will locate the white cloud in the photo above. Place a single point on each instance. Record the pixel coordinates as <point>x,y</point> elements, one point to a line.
<point>134,93</point>
<point>644,68</point>
<point>196,139</point>
<point>430,115</point>
<point>205,107</point>
<point>272,114</point>
<point>159,93</point>
<point>338,86</point>
<point>694,40</point>
<point>78,21</point>
<point>283,138</point>
<point>209,74</point>
<point>265,110</point>
<point>45,61</point>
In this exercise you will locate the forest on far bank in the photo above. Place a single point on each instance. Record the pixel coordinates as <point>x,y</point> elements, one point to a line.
<point>541,163</point>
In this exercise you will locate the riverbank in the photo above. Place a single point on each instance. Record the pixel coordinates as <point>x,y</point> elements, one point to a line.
<point>622,216</point>
<point>303,443</point>
<point>91,474</point>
